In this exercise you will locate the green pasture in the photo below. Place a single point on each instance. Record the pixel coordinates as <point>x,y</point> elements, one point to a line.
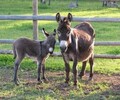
<point>106,69</point>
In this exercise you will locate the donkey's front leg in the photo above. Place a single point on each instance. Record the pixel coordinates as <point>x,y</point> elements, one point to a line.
<point>43,72</point>
<point>67,67</point>
<point>39,71</point>
<point>75,71</point>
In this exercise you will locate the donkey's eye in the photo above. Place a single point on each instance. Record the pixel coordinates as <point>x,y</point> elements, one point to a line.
<point>68,32</point>
<point>59,33</point>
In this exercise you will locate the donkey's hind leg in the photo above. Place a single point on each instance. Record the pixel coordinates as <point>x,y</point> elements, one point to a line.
<point>83,69</point>
<point>39,63</point>
<point>91,62</point>
<point>16,65</point>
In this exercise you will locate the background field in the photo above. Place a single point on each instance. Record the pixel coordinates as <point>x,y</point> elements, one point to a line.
<point>106,83</point>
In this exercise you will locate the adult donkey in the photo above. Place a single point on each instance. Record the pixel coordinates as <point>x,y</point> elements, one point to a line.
<point>76,44</point>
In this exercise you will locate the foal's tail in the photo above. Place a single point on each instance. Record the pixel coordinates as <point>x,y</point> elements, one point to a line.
<point>14,52</point>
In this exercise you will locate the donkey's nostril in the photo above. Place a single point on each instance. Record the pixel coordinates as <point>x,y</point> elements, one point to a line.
<point>63,49</point>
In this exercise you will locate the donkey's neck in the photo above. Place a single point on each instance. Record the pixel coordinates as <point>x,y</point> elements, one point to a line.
<point>73,45</point>
<point>74,40</point>
<point>43,44</point>
<point>43,49</point>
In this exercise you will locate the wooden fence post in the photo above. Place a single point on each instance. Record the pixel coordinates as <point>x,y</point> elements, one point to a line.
<point>35,22</point>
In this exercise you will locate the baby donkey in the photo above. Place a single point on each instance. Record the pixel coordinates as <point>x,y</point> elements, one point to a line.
<point>38,49</point>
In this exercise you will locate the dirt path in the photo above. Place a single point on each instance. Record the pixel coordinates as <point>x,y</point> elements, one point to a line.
<point>56,82</point>
<point>29,77</point>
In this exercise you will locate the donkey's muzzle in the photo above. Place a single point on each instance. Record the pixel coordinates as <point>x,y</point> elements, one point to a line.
<point>51,52</point>
<point>63,46</point>
<point>63,49</point>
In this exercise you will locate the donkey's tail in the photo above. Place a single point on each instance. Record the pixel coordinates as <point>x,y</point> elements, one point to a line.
<point>14,52</point>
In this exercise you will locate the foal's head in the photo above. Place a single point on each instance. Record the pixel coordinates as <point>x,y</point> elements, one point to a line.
<point>50,41</point>
<point>64,30</point>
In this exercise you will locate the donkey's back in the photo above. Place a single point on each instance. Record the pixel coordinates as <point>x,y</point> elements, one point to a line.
<point>87,27</point>
<point>85,34</point>
<point>26,46</point>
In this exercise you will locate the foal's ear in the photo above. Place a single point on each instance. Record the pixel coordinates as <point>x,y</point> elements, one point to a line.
<point>45,33</point>
<point>70,18</point>
<point>54,32</point>
<point>58,17</point>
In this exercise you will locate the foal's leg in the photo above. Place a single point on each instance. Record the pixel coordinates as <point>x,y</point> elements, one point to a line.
<point>91,62</point>
<point>83,69</point>
<point>16,65</point>
<point>39,71</point>
<point>43,72</point>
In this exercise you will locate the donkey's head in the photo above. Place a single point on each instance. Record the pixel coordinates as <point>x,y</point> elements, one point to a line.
<point>50,40</point>
<point>64,30</point>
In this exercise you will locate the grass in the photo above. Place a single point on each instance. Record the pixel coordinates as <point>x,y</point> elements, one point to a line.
<point>55,89</point>
<point>106,79</point>
<point>7,61</point>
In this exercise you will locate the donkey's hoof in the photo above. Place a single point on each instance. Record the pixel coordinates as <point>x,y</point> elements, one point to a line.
<point>46,80</point>
<point>16,83</point>
<point>66,84</point>
<point>66,81</point>
<point>75,87</point>
<point>90,79</point>
<point>81,75</point>
<point>40,82</point>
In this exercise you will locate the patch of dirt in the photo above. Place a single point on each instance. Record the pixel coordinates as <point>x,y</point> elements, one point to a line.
<point>56,81</point>
<point>113,80</point>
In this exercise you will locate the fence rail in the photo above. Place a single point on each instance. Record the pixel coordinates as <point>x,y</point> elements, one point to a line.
<point>106,56</point>
<point>97,43</point>
<point>76,19</point>
<point>52,18</point>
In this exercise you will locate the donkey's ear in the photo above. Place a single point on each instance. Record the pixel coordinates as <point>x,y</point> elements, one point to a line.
<point>45,33</point>
<point>54,32</point>
<point>70,18</point>
<point>58,17</point>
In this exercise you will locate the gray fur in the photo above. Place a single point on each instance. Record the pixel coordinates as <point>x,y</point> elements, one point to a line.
<point>32,48</point>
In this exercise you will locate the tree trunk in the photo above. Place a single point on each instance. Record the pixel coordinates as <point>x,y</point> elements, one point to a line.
<point>49,2</point>
<point>43,1</point>
<point>77,3</point>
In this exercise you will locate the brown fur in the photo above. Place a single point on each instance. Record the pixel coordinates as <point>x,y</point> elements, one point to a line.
<point>80,49</point>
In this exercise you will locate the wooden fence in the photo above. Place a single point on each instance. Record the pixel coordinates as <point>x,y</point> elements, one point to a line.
<point>97,43</point>
<point>52,18</point>
<point>35,17</point>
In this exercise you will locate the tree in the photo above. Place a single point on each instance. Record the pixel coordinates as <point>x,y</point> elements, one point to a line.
<point>43,1</point>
